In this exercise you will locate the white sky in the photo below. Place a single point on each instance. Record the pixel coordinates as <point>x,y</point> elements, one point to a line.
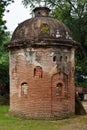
<point>18,13</point>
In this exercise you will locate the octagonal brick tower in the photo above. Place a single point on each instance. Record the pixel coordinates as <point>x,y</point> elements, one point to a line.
<point>42,67</point>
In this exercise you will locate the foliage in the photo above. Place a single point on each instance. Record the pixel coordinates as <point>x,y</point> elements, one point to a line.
<point>34,3</point>
<point>74,14</point>
<point>4,37</point>
<point>81,72</point>
<point>4,60</point>
<point>3,100</point>
<point>75,17</point>
<point>3,5</point>
<point>45,28</point>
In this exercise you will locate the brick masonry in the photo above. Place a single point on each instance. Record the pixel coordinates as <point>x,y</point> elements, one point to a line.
<point>42,81</point>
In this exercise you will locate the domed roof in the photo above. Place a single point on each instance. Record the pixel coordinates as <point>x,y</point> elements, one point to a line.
<point>42,27</point>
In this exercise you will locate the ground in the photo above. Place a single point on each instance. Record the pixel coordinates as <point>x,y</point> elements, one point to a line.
<point>11,123</point>
<point>77,123</point>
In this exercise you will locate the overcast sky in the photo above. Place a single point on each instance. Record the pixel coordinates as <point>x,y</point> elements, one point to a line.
<point>18,13</point>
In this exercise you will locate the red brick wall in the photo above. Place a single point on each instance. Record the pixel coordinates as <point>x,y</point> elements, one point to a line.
<point>40,96</point>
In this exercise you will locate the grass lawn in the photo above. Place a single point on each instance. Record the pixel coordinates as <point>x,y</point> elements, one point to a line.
<point>11,123</point>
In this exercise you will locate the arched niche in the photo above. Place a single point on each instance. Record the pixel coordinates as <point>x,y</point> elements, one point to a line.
<point>54,58</point>
<point>59,84</point>
<point>38,72</point>
<point>59,88</point>
<point>24,89</point>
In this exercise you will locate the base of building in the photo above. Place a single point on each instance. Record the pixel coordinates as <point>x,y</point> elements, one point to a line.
<point>40,116</point>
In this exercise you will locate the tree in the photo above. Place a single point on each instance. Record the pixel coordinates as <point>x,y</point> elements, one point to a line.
<point>4,60</point>
<point>75,17</point>
<point>74,14</point>
<point>3,5</point>
<point>34,3</point>
<point>4,37</point>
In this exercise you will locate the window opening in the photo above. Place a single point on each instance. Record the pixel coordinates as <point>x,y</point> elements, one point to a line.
<point>59,88</point>
<point>39,13</point>
<point>24,89</point>
<point>61,58</point>
<point>38,72</point>
<point>54,58</point>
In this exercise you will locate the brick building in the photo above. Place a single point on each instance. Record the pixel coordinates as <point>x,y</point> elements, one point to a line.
<point>42,67</point>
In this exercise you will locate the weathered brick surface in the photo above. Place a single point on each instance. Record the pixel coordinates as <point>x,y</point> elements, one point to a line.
<point>48,89</point>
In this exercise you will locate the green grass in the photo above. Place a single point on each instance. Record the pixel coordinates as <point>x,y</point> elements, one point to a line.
<point>12,123</point>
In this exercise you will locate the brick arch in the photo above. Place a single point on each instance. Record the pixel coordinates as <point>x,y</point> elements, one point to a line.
<point>61,76</point>
<point>56,79</point>
<point>58,75</point>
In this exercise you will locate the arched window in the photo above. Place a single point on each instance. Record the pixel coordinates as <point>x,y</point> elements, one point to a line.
<point>24,89</point>
<point>38,72</point>
<point>59,88</point>
<point>61,58</point>
<point>54,58</point>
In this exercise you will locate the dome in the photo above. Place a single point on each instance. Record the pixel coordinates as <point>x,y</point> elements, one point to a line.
<point>42,28</point>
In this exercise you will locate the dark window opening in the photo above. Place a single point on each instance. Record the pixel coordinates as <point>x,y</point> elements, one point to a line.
<point>54,58</point>
<point>38,12</point>
<point>61,58</point>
